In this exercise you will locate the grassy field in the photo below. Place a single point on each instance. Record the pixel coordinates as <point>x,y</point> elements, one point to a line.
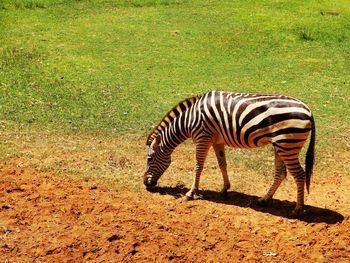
<point>115,67</point>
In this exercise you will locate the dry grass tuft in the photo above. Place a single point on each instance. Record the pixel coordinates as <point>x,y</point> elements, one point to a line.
<point>120,162</point>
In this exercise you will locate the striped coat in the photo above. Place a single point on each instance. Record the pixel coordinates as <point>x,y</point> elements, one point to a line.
<point>243,120</point>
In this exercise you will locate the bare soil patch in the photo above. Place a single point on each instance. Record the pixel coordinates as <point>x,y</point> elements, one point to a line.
<point>48,217</point>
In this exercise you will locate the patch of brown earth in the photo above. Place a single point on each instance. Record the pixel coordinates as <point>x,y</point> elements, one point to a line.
<point>50,218</point>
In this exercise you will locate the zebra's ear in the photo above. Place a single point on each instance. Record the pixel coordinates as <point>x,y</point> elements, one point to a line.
<point>156,142</point>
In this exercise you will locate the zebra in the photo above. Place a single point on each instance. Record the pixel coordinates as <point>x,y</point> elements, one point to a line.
<point>242,120</point>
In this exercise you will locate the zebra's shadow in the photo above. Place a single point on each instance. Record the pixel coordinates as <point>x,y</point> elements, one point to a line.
<point>282,208</point>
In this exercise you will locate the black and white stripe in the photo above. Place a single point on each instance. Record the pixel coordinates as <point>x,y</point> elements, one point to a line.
<point>243,120</point>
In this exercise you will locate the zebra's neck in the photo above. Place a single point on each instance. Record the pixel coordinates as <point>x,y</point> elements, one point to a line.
<point>176,133</point>
<point>175,126</point>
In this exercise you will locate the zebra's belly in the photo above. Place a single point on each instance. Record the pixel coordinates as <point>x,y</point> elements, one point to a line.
<point>245,138</point>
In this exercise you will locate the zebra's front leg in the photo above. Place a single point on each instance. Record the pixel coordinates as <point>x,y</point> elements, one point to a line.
<point>280,175</point>
<point>202,149</point>
<point>221,157</point>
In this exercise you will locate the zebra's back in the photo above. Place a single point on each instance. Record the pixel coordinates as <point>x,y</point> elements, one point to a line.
<point>249,120</point>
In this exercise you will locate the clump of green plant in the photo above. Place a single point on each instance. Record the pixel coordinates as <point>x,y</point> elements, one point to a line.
<point>306,35</point>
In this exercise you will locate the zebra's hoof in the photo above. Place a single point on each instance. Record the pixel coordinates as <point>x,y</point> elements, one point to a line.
<point>224,193</point>
<point>262,202</point>
<point>297,212</point>
<point>187,198</point>
<point>192,197</point>
<point>198,196</point>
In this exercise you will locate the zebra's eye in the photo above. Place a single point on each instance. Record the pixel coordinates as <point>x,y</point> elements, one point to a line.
<point>149,158</point>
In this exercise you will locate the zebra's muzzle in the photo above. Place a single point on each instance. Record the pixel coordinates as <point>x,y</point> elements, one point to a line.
<point>149,183</point>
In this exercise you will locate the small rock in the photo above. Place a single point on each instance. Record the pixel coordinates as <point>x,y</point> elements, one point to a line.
<point>270,254</point>
<point>113,238</point>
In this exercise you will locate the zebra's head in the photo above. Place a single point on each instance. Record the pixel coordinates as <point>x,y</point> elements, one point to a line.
<point>157,162</point>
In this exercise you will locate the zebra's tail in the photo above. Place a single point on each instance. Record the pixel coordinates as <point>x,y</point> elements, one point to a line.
<point>310,155</point>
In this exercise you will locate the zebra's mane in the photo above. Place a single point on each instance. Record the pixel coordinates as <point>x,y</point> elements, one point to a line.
<point>171,115</point>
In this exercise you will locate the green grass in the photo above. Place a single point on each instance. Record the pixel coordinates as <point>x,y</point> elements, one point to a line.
<point>118,66</point>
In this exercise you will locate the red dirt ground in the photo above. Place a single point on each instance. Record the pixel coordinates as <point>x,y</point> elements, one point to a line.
<point>50,218</point>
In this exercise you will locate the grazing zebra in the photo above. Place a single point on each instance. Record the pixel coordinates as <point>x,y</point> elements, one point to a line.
<point>243,120</point>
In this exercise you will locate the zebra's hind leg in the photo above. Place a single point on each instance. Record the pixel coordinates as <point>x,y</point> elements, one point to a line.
<point>294,167</point>
<point>280,175</point>
<point>202,148</point>
<point>221,157</point>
